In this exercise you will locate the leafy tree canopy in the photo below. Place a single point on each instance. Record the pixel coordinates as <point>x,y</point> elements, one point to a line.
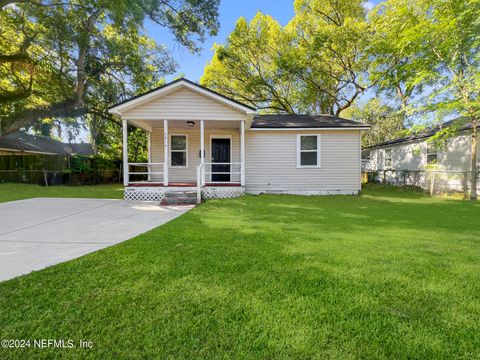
<point>61,59</point>
<point>386,122</point>
<point>317,63</point>
<point>432,47</point>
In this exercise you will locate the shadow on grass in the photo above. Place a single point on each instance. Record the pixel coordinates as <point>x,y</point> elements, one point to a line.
<point>269,277</point>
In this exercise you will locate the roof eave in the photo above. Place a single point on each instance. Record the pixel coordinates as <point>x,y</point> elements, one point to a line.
<point>313,128</point>
<point>123,106</point>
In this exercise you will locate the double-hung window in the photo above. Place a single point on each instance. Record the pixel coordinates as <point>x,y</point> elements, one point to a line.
<point>388,158</point>
<point>432,153</point>
<point>308,151</point>
<point>178,151</point>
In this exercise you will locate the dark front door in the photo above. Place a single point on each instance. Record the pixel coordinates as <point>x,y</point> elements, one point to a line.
<point>220,155</point>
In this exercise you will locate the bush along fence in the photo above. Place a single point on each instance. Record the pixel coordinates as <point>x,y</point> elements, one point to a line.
<point>59,170</point>
<point>435,182</point>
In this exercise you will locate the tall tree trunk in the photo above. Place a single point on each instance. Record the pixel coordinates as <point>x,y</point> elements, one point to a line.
<point>94,134</point>
<point>474,174</point>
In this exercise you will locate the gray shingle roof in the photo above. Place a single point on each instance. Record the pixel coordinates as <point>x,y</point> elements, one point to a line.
<point>20,141</point>
<point>293,121</point>
<point>426,133</point>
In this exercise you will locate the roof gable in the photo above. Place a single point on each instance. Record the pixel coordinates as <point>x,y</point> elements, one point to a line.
<point>182,104</point>
<point>173,86</point>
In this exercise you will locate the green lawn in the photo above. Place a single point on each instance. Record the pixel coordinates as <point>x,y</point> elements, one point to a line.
<point>387,274</point>
<point>10,192</point>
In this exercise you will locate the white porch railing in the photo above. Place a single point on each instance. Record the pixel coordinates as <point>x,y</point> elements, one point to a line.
<point>206,174</point>
<point>233,174</point>
<point>202,173</point>
<point>149,172</point>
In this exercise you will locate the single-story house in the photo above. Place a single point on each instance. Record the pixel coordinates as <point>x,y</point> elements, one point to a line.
<point>450,161</point>
<point>201,140</point>
<point>21,143</point>
<point>416,152</point>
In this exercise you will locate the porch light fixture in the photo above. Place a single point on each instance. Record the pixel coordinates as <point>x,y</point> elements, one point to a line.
<point>190,123</point>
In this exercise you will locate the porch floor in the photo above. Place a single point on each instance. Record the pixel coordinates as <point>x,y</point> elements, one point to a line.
<point>179,184</point>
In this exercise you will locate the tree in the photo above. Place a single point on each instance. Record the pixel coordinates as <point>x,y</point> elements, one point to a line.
<point>386,122</point>
<point>106,138</point>
<point>56,57</point>
<point>439,42</point>
<point>247,67</point>
<point>391,69</point>
<point>317,63</point>
<point>330,51</point>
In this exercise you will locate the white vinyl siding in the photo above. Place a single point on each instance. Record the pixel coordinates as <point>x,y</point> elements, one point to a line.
<point>183,104</point>
<point>271,163</point>
<point>454,156</point>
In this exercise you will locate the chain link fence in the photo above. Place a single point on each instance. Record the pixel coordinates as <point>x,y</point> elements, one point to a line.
<point>435,182</point>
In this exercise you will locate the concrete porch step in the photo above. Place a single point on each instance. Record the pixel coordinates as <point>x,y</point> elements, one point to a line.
<point>179,198</point>
<point>172,194</point>
<point>178,201</point>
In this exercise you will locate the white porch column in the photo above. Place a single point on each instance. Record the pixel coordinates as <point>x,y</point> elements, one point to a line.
<point>202,141</point>
<point>202,151</point>
<point>125,152</point>
<point>149,149</point>
<point>165,152</point>
<point>242,152</point>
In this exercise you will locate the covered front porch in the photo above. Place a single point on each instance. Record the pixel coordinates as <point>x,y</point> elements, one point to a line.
<point>206,156</point>
<point>196,139</point>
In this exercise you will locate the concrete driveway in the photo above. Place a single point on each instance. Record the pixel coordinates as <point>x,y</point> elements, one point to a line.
<point>40,232</point>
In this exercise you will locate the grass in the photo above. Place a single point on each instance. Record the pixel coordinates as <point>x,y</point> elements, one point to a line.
<point>386,275</point>
<point>11,192</point>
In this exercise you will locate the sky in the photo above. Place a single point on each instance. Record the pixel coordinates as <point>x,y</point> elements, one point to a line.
<point>191,65</point>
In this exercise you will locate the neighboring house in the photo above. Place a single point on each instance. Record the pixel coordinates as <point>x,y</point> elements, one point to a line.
<point>415,152</point>
<point>220,147</point>
<point>20,143</point>
<point>414,160</point>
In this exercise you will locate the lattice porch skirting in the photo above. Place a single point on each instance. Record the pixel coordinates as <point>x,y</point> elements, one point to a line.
<point>146,193</point>
<point>139,193</point>
<point>222,192</point>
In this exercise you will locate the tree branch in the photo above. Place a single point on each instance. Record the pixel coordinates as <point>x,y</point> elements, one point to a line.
<point>69,108</point>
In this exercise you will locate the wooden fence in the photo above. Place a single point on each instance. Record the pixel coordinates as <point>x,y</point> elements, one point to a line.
<point>59,170</point>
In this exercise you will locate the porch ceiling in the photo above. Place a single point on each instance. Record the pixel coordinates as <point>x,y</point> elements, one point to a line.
<point>212,124</point>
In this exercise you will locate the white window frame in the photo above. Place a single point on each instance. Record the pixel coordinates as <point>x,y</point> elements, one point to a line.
<point>385,158</point>
<point>429,151</point>
<point>171,150</point>
<point>299,151</point>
